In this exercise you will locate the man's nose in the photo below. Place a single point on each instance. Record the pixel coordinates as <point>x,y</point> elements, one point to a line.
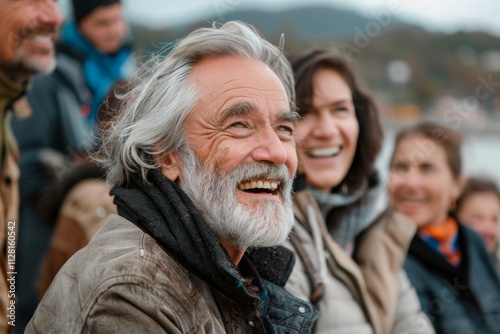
<point>50,15</point>
<point>269,148</point>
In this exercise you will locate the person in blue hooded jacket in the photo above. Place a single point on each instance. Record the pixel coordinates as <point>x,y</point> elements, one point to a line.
<point>96,37</point>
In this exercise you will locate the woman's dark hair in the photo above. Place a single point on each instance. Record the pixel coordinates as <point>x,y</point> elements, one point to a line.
<point>444,136</point>
<point>305,67</point>
<point>477,185</point>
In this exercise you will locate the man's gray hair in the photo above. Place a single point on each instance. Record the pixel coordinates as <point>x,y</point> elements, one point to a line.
<point>153,112</point>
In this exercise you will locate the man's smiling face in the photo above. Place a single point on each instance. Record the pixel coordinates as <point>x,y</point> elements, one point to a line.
<point>243,117</point>
<point>241,158</point>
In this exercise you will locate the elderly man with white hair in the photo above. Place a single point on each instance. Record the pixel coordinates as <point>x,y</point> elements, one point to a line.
<point>200,161</point>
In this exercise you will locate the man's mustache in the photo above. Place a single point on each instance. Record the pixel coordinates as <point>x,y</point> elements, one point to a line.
<point>246,172</point>
<point>34,30</point>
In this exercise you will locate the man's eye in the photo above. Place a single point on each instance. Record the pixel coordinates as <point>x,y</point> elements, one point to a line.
<point>285,128</point>
<point>238,125</point>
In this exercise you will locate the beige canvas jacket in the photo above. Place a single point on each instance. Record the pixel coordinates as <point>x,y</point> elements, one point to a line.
<point>124,282</point>
<point>370,294</point>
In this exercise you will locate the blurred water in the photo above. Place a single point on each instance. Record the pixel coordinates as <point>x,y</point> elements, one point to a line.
<point>480,154</point>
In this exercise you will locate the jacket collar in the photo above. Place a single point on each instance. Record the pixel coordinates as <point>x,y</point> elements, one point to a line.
<point>436,262</point>
<point>272,263</point>
<point>9,91</point>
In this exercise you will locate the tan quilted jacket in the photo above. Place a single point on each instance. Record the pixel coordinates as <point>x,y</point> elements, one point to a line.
<point>9,193</point>
<point>370,294</point>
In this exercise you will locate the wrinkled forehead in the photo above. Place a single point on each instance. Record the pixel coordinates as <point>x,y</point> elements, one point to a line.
<point>222,82</point>
<point>214,71</point>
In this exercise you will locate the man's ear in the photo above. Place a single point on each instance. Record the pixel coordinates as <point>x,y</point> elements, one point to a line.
<point>170,166</point>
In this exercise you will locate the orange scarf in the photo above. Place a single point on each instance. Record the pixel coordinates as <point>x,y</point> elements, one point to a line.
<point>443,239</point>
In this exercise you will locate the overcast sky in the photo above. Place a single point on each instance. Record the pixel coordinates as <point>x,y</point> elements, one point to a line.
<point>436,15</point>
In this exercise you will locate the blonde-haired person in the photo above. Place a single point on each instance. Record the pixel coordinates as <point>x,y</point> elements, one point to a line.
<point>350,248</point>
<point>447,262</point>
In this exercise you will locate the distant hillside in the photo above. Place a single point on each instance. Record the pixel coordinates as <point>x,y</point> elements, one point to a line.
<point>317,23</point>
<point>441,64</point>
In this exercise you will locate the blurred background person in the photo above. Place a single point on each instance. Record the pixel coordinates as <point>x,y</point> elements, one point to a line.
<point>91,54</point>
<point>355,247</point>
<point>447,263</point>
<point>22,20</point>
<point>28,29</point>
<point>78,203</point>
<point>95,43</point>
<point>35,55</point>
<point>78,207</point>
<point>478,207</point>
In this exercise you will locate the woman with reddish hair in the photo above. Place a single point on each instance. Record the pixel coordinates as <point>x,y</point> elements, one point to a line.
<point>447,262</point>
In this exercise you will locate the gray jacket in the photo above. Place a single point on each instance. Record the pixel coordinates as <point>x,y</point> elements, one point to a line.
<point>56,123</point>
<point>124,282</point>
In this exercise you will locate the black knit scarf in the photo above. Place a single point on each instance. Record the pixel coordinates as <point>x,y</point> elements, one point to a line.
<point>165,212</point>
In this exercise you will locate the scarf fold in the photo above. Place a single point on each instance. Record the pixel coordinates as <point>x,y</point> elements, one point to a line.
<point>367,204</point>
<point>443,239</point>
<point>165,212</point>
<point>99,70</point>
<point>9,93</point>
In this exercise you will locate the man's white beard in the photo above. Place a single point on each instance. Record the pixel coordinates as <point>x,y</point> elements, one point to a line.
<point>31,66</point>
<point>266,224</point>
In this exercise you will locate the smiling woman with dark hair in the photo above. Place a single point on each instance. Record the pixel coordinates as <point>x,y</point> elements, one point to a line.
<point>351,249</point>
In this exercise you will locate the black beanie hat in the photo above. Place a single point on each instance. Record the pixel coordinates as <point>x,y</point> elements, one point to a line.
<point>82,8</point>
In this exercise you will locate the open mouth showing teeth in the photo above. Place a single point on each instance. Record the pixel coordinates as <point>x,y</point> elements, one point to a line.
<point>42,39</point>
<point>412,201</point>
<point>324,152</point>
<point>258,187</point>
